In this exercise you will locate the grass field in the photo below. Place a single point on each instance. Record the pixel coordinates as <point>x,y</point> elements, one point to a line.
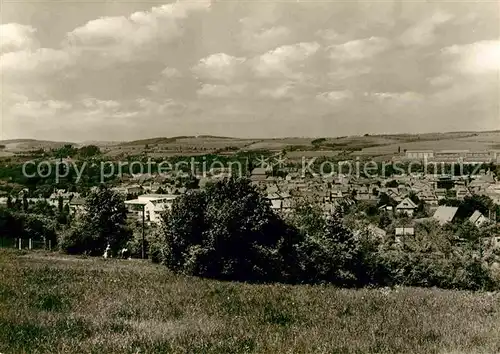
<point>51,303</point>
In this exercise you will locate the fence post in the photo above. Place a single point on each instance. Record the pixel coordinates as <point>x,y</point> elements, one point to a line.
<point>29,244</point>
<point>20,243</point>
<point>50,245</point>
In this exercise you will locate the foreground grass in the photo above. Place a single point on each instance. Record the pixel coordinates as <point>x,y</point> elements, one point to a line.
<point>51,303</point>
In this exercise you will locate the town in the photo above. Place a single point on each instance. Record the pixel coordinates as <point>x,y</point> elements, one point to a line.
<point>416,196</point>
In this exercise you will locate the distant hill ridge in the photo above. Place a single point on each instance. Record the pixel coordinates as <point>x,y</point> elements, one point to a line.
<point>167,140</point>
<point>327,141</point>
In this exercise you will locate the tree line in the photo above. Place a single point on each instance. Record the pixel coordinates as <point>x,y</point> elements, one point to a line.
<point>229,231</point>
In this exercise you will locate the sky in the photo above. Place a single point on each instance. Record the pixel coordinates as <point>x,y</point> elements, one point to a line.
<point>78,71</point>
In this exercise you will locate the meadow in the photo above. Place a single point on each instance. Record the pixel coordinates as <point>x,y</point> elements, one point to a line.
<point>53,303</point>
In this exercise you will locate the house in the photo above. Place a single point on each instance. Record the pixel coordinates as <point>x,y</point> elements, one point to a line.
<point>376,231</point>
<point>153,187</point>
<point>61,194</point>
<point>336,195</point>
<point>440,193</point>
<point>394,194</point>
<point>406,206</point>
<point>258,174</point>
<point>450,155</point>
<point>220,172</point>
<point>204,181</point>
<point>151,204</point>
<point>120,190</point>
<point>404,231</point>
<point>495,196</point>
<point>280,201</point>
<point>478,219</point>
<point>134,189</point>
<point>272,188</point>
<point>478,185</point>
<point>477,157</point>
<point>419,154</point>
<point>367,197</point>
<point>385,207</point>
<point>125,190</point>
<point>77,206</point>
<point>445,214</point>
<point>462,192</point>
<point>275,201</point>
<point>428,197</point>
<point>403,189</point>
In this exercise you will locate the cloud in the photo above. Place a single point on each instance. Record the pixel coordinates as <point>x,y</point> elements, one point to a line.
<point>359,49</point>
<point>284,91</point>
<point>127,71</point>
<point>219,66</point>
<point>346,72</point>
<point>39,109</point>
<point>42,61</point>
<point>441,80</point>
<point>397,97</point>
<point>328,35</point>
<point>285,60</point>
<point>100,104</point>
<point>171,73</point>
<point>258,39</point>
<point>15,37</point>
<point>126,38</point>
<point>152,107</point>
<point>424,32</point>
<point>169,79</point>
<point>210,90</point>
<point>94,109</point>
<point>334,97</point>
<point>481,57</point>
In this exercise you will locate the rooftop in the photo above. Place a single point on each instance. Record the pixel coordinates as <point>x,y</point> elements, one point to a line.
<point>445,214</point>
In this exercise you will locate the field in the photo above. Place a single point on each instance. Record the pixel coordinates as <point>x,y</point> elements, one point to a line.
<point>50,303</point>
<point>473,142</point>
<point>369,145</point>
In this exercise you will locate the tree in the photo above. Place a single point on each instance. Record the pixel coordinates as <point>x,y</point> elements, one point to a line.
<point>475,202</point>
<point>227,231</point>
<point>60,204</point>
<point>89,151</point>
<point>392,184</point>
<point>330,255</point>
<point>384,220</point>
<point>10,205</point>
<point>42,207</point>
<point>25,203</point>
<point>104,222</point>
<point>65,151</point>
<point>384,199</point>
